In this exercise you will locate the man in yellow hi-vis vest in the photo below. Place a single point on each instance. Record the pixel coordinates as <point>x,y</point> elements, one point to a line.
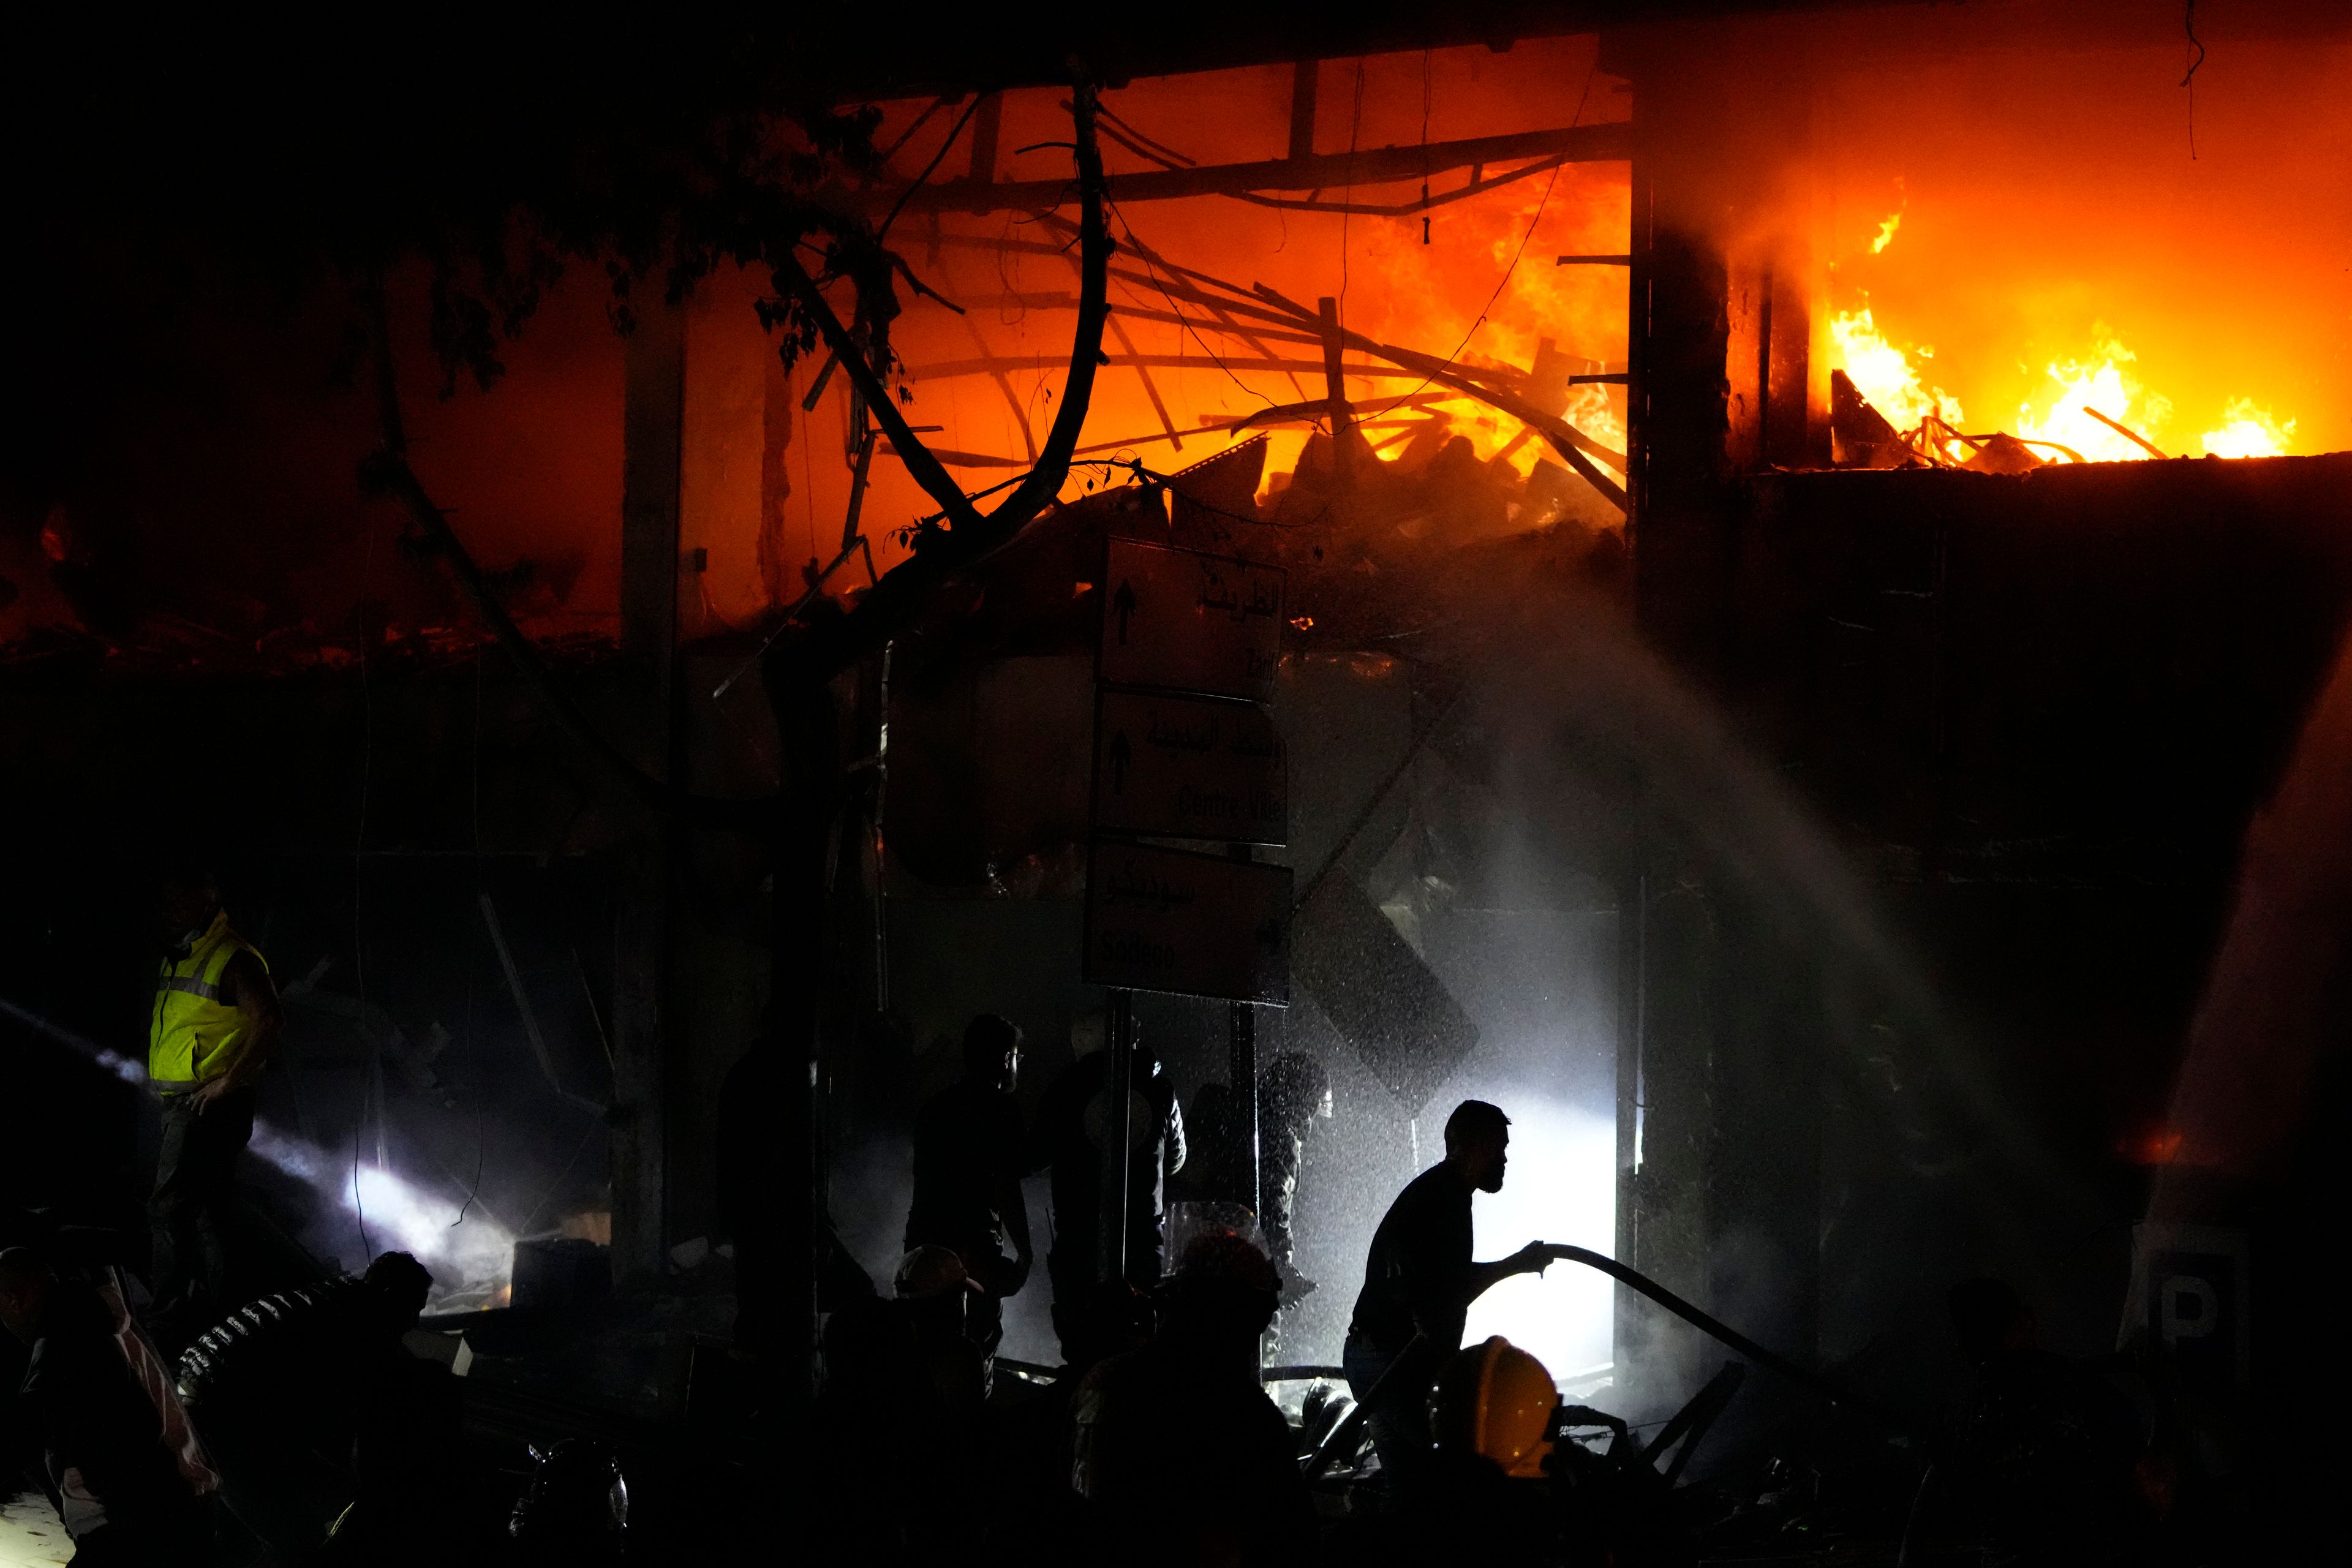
<point>213,1022</point>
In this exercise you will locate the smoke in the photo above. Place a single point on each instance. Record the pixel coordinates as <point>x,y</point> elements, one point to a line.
<point>872,1182</point>
<point>1608,758</point>
<point>2273,1001</point>
<point>468,1253</point>
<point>1584,700</point>
<point>1578,758</point>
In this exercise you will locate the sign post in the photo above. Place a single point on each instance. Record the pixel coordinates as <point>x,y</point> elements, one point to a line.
<point>1188,924</point>
<point>1179,620</point>
<point>2189,1294</point>
<point>1171,766</point>
<point>1242,1030</point>
<point>1119,1100</point>
<point>1186,750</point>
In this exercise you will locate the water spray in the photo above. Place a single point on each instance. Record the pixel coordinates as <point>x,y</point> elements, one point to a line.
<point>475,1251</point>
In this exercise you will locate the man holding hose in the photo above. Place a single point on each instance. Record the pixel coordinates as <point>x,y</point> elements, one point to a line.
<point>1420,1279</point>
<point>212,1025</point>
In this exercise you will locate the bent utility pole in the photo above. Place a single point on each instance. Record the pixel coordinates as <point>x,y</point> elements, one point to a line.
<point>800,666</point>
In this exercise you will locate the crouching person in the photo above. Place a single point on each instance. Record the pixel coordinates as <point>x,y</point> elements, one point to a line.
<point>1177,1449</point>
<point>96,1427</point>
<point>327,1431</point>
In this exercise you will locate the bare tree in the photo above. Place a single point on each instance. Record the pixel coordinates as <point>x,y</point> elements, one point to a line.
<point>807,657</point>
<point>801,664</point>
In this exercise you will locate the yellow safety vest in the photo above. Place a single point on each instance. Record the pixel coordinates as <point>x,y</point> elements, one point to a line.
<point>197,1027</point>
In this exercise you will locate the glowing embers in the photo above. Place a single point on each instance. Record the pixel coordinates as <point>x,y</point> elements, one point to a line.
<point>2094,409</point>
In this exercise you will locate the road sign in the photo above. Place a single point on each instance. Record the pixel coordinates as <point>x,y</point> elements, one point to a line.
<point>1196,926</point>
<point>2189,1294</point>
<point>1376,991</point>
<point>1189,767</point>
<point>1190,622</point>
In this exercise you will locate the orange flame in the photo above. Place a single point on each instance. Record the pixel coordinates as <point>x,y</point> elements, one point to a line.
<point>1883,374</point>
<point>2248,432</point>
<point>2103,383</point>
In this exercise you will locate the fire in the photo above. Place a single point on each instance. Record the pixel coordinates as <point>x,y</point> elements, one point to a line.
<point>2248,432</point>
<point>1883,374</point>
<point>1445,295</point>
<point>2103,384</point>
<point>2151,1146</point>
<point>2038,340</point>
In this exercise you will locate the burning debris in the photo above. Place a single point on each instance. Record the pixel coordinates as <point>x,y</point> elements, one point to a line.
<point>1863,438</point>
<point>2091,408</point>
<point>1683,810</point>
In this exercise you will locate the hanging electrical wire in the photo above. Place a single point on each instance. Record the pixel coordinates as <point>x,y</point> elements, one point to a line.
<point>1542,203</point>
<point>2188,80</point>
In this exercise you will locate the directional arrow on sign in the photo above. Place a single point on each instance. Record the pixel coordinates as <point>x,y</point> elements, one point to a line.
<point>1172,766</point>
<point>1183,620</point>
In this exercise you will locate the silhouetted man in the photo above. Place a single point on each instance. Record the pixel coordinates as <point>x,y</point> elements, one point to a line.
<point>98,1433</point>
<point>1294,1093</point>
<point>1177,1448</point>
<point>1073,1137</point>
<point>901,1448</point>
<point>311,1405</point>
<point>211,1029</point>
<point>1038,1517</point>
<point>1419,1281</point>
<point>968,1169</point>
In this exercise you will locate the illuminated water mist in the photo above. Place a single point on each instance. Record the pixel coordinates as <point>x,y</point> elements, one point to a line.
<point>466,1251</point>
<point>120,1066</point>
<point>1561,1186</point>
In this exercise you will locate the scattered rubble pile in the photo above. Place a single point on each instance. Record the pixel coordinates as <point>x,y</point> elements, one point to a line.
<point>1863,438</point>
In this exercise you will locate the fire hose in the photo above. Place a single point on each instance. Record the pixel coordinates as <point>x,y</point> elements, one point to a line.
<point>1344,1437</point>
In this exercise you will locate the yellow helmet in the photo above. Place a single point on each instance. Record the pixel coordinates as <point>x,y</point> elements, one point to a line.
<point>1496,1400</point>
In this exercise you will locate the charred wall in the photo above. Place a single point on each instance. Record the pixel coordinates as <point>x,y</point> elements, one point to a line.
<point>2038,713</point>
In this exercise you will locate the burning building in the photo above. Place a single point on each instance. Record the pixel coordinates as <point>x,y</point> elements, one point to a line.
<point>1811,593</point>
